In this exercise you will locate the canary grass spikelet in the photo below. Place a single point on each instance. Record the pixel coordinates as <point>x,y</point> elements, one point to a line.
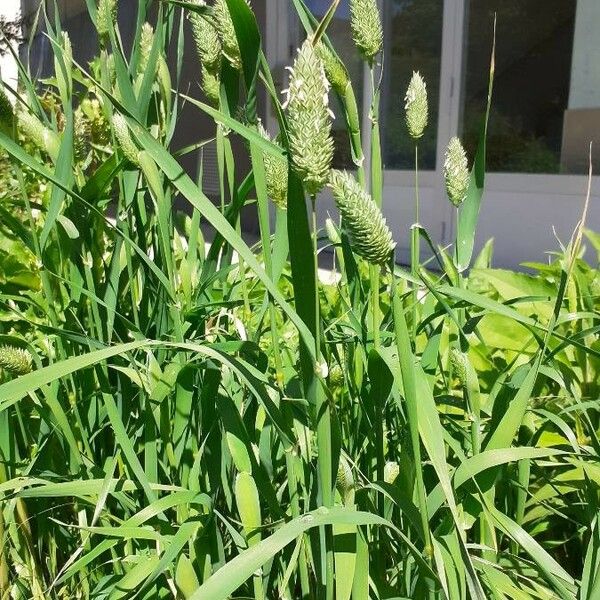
<point>207,42</point>
<point>370,236</point>
<point>456,172</point>
<point>45,139</point>
<point>146,43</point>
<point>367,31</point>
<point>123,135</point>
<point>417,111</point>
<point>344,480</point>
<point>336,72</point>
<point>309,119</point>
<point>67,48</point>
<point>224,23</point>
<point>82,135</point>
<point>211,85</point>
<point>7,114</point>
<point>106,17</point>
<point>15,360</point>
<point>276,173</point>
<point>209,50</point>
<point>458,360</point>
<point>391,470</point>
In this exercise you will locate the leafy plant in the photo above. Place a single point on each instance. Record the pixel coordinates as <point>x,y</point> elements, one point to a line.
<point>214,421</point>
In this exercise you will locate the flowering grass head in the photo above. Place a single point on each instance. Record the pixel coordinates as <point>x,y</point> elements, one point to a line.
<point>416,106</point>
<point>370,236</point>
<point>309,119</point>
<point>456,172</point>
<point>367,31</point>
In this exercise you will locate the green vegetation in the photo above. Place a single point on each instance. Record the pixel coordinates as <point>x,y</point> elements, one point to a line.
<point>204,422</point>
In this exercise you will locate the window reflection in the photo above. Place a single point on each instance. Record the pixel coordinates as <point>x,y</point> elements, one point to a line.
<point>546,106</point>
<point>413,30</point>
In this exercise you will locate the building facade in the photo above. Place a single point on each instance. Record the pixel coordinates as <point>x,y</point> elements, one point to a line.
<point>545,111</point>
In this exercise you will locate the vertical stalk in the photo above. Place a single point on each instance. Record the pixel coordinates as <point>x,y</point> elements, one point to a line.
<point>323,416</point>
<point>415,247</point>
<point>375,276</point>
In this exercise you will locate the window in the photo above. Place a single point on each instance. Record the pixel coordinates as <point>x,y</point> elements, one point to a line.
<point>546,104</point>
<point>341,37</point>
<point>413,33</point>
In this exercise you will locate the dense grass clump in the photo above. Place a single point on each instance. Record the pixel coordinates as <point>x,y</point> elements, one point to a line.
<point>182,420</point>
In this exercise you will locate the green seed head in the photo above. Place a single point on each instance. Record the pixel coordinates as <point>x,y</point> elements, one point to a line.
<point>82,135</point>
<point>309,120</point>
<point>345,479</point>
<point>123,135</point>
<point>15,360</point>
<point>44,138</point>
<point>224,23</point>
<point>456,172</point>
<point>367,31</point>
<point>458,361</point>
<point>276,173</point>
<point>391,470</point>
<point>416,108</point>
<point>146,43</point>
<point>7,114</point>
<point>211,85</point>
<point>335,70</point>
<point>67,48</point>
<point>206,39</point>
<point>107,17</point>
<point>369,234</point>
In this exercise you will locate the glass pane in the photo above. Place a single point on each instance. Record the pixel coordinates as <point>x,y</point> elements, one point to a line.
<point>413,31</point>
<point>341,37</point>
<point>546,105</point>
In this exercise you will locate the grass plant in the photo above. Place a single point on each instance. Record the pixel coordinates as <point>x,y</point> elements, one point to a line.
<point>209,421</point>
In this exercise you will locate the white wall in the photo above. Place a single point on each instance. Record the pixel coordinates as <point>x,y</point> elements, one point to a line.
<point>10,10</point>
<point>585,72</point>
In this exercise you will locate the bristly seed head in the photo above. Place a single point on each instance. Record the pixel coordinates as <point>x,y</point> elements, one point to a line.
<point>458,360</point>
<point>207,42</point>
<point>367,31</point>
<point>210,50</point>
<point>344,480</point>
<point>336,72</point>
<point>123,135</point>
<point>224,24</point>
<point>276,173</point>
<point>67,48</point>
<point>7,114</point>
<point>45,139</point>
<point>391,470</point>
<point>417,111</point>
<point>106,17</point>
<point>15,360</point>
<point>309,119</point>
<point>146,43</point>
<point>370,236</point>
<point>456,172</point>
